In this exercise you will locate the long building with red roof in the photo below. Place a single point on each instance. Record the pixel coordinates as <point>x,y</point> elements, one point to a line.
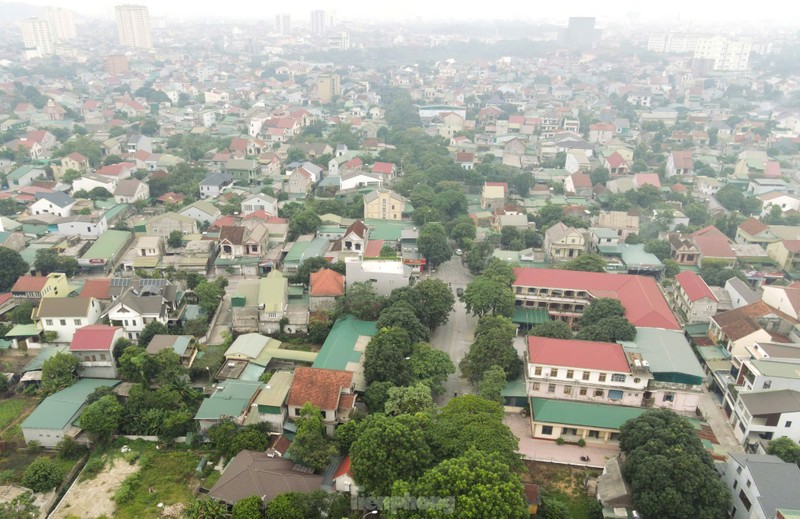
<point>565,294</point>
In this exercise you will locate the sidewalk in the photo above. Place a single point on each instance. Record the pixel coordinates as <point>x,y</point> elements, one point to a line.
<point>716,419</point>
<point>550,451</point>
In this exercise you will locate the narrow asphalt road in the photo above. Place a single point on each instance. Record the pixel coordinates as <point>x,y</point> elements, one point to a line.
<point>455,336</point>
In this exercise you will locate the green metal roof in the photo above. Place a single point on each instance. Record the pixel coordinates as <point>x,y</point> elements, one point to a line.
<point>669,354</point>
<point>21,171</point>
<point>114,211</point>
<point>230,399</point>
<point>45,353</point>
<point>108,245</point>
<point>246,293</point>
<point>60,409</point>
<point>249,345</point>
<point>295,254</point>
<point>339,348</point>
<point>712,353</point>
<point>568,412</point>
<point>252,372</point>
<point>634,256</point>
<point>24,330</point>
<point>273,291</point>
<point>696,330</point>
<point>386,229</point>
<point>530,315</point>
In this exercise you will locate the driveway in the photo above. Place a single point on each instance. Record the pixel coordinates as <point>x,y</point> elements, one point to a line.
<point>550,451</point>
<point>455,336</point>
<point>715,416</point>
<point>223,323</point>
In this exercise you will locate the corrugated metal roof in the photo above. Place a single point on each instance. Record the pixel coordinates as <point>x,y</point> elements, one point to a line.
<point>60,409</point>
<point>586,414</point>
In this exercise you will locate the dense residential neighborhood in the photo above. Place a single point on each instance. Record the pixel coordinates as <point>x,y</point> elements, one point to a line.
<point>348,269</point>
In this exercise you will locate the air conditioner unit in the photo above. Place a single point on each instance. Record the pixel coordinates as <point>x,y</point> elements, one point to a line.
<point>231,364</point>
<point>637,363</point>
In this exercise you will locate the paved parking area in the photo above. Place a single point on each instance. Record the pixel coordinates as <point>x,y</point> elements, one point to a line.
<point>550,451</point>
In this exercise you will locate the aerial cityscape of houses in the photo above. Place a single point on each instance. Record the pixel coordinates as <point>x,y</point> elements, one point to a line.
<point>324,268</point>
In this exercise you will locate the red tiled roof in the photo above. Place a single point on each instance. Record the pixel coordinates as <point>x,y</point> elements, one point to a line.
<point>463,156</point>
<point>373,249</point>
<point>344,468</point>
<point>581,180</point>
<point>352,163</point>
<point>326,282</point>
<point>358,228</point>
<point>321,387</point>
<point>29,284</point>
<point>792,245</point>
<point>694,286</point>
<point>648,179</point>
<point>603,356</point>
<point>772,169</point>
<point>712,243</point>
<point>682,159</point>
<point>97,288</point>
<point>615,160</point>
<point>753,226</point>
<point>643,302</point>
<point>115,170</point>
<point>77,157</point>
<point>96,337</point>
<point>5,297</point>
<point>384,168</point>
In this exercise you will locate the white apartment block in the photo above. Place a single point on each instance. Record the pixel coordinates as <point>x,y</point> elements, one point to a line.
<point>133,26</point>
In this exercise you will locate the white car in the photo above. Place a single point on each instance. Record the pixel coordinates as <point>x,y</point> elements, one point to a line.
<point>459,252</point>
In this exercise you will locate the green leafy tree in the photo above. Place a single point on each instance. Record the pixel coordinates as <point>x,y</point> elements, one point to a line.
<point>137,366</point>
<point>361,300</point>
<point>608,330</point>
<point>310,447</point>
<point>482,485</point>
<point>463,232</point>
<point>409,400</point>
<point>600,309</point>
<point>22,313</point>
<point>304,222</point>
<point>402,315</point>
<point>730,197</point>
<point>500,271</point>
<point>498,323</point>
<point>13,266</point>
<point>495,347</point>
<point>433,301</point>
<point>492,384</point>
<point>432,244</point>
<point>553,508</point>
<point>671,268</point>
<point>209,294</point>
<point>306,505</point>
<point>249,438</point>
<point>669,470</point>
<point>385,357</point>
<point>175,239</point>
<point>376,395</point>
<point>221,437</point>
<point>102,418</point>
<point>389,449</point>
<point>313,265</point>
<point>786,449</point>
<point>717,272</point>
<point>552,329</point>
<point>150,330</point>
<point>248,508</point>
<point>586,263</point>
<point>206,509</point>
<point>58,372</point>
<point>660,248</point>
<point>43,475</point>
<point>430,366</point>
<point>387,251</point>
<point>485,295</point>
<point>471,421</point>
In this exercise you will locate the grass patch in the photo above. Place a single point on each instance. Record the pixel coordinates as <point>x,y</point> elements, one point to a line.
<point>565,484</point>
<point>164,477</point>
<point>14,463</point>
<point>13,434</point>
<point>210,480</point>
<point>12,408</point>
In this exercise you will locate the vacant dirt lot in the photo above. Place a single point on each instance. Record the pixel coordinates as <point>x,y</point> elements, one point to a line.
<point>93,497</point>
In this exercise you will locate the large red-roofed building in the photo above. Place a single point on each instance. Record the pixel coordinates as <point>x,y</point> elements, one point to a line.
<point>93,346</point>
<point>565,294</point>
<point>692,299</point>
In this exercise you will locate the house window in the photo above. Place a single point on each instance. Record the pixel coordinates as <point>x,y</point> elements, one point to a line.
<point>582,391</point>
<point>788,424</point>
<point>77,322</point>
<point>553,372</point>
<point>48,322</point>
<point>594,434</point>
<point>669,397</point>
<point>738,470</point>
<point>551,388</point>
<point>749,483</point>
<point>599,392</point>
<point>569,431</point>
<point>570,373</point>
<point>735,484</point>
<point>744,500</point>
<point>535,386</point>
<point>297,411</point>
<point>547,430</point>
<point>601,377</point>
<point>63,322</point>
<point>617,377</point>
<point>586,375</point>
<point>537,371</point>
<point>767,384</point>
<point>615,394</point>
<point>567,390</point>
<point>133,322</point>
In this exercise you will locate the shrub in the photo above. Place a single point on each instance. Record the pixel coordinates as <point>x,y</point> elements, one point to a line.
<point>559,441</point>
<point>125,492</point>
<point>92,468</point>
<point>42,475</point>
<point>69,449</point>
<point>581,443</point>
<point>34,447</point>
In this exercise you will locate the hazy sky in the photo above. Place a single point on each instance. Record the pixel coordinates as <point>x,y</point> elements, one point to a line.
<point>783,11</point>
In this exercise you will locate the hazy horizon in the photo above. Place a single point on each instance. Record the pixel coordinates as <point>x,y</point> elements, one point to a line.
<point>675,12</point>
